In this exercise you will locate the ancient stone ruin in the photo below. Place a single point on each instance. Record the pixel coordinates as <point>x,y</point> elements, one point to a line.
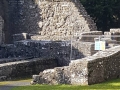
<point>55,38</point>
<point>45,18</point>
<point>1,30</point>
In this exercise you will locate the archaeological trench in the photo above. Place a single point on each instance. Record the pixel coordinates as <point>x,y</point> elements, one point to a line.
<point>45,39</point>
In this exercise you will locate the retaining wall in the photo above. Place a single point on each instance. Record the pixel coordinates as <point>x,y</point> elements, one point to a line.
<point>25,68</point>
<point>56,49</point>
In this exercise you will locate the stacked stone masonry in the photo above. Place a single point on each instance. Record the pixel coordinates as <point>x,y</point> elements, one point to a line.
<point>54,29</point>
<point>76,37</point>
<point>46,18</point>
<point>100,67</point>
<point>24,67</point>
<point>1,30</point>
<point>63,18</point>
<point>61,50</point>
<point>114,34</point>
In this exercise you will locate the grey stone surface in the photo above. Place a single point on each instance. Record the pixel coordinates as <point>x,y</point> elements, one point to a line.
<point>87,36</point>
<point>112,30</point>
<point>57,30</point>
<point>114,34</point>
<point>100,67</point>
<point>1,30</point>
<point>24,68</point>
<point>46,18</point>
<point>61,50</point>
<point>83,36</point>
<point>20,36</point>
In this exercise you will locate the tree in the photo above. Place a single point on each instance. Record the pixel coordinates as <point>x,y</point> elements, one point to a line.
<point>106,13</point>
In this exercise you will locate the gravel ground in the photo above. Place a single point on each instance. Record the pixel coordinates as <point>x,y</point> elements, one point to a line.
<point>12,84</point>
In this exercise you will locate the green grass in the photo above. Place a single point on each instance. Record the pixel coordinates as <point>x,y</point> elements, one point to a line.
<point>113,84</point>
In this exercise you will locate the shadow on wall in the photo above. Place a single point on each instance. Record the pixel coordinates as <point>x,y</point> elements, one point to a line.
<point>22,16</point>
<point>61,50</point>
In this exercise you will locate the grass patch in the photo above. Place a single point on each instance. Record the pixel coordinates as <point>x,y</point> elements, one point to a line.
<point>113,84</point>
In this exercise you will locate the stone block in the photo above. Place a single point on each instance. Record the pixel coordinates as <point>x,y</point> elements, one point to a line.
<point>20,36</point>
<point>114,30</point>
<point>88,36</point>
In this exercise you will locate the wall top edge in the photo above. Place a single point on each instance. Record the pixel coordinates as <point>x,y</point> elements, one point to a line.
<point>57,0</point>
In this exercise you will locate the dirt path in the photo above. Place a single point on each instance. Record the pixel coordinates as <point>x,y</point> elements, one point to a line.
<point>10,84</point>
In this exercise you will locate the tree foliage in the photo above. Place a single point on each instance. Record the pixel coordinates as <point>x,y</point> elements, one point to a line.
<point>106,13</point>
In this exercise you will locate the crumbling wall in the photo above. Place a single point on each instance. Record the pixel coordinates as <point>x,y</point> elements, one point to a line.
<point>100,67</point>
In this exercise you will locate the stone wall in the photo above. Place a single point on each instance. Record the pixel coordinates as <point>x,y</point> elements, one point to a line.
<point>4,14</point>
<point>1,29</point>
<point>63,18</point>
<point>104,66</point>
<point>46,18</point>
<point>100,67</point>
<point>24,67</point>
<point>61,50</point>
<point>115,30</point>
<point>114,34</point>
<point>84,36</point>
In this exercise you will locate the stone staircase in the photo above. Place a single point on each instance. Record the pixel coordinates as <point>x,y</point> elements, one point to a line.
<point>68,17</point>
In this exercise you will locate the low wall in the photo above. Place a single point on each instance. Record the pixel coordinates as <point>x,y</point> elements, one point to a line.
<point>114,34</point>
<point>115,30</point>
<point>88,36</point>
<point>25,67</point>
<point>100,67</point>
<point>56,49</point>
<point>104,66</point>
<point>84,36</point>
